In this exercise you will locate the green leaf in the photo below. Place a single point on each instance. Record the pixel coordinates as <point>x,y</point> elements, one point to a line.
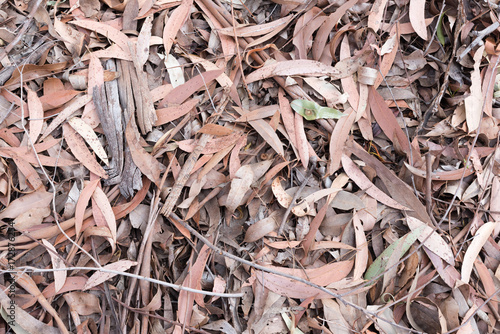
<point>439,32</point>
<point>378,266</point>
<point>310,110</point>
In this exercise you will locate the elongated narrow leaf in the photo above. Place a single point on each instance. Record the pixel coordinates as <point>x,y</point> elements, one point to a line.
<point>103,203</point>
<point>57,263</point>
<point>36,115</point>
<point>81,152</point>
<point>90,137</point>
<point>99,277</point>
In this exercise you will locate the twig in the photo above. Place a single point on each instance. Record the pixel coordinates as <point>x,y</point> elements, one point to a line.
<point>440,17</point>
<point>115,272</point>
<point>479,39</point>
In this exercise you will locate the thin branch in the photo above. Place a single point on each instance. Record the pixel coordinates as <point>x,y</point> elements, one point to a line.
<point>115,272</point>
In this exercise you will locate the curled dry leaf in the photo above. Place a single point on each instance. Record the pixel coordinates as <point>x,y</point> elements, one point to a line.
<point>174,23</point>
<point>296,67</point>
<point>257,30</point>
<point>417,17</point>
<point>442,176</point>
<point>213,146</point>
<point>108,31</point>
<point>322,276</point>
<point>301,140</point>
<point>362,248</point>
<point>244,178</point>
<point>82,203</point>
<point>31,217</point>
<point>387,121</point>
<point>83,303</point>
<point>302,208</point>
<point>281,195</point>
<point>165,115</point>
<point>73,106</point>
<point>143,40</point>
<point>181,93</point>
<point>175,72</point>
<point>192,280</point>
<point>339,136</point>
<point>291,68</point>
<point>474,102</point>
<point>146,163</point>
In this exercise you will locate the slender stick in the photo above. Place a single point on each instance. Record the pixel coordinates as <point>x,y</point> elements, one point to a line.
<point>116,272</point>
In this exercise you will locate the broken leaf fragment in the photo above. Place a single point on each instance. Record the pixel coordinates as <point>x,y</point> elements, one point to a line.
<point>310,110</point>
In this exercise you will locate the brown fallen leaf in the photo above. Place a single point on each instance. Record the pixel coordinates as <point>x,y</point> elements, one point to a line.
<point>36,115</point>
<point>36,199</point>
<point>294,67</point>
<point>57,263</point>
<point>169,114</point>
<point>387,121</point>
<point>192,280</point>
<point>99,276</point>
<point>364,183</point>
<point>81,152</point>
<point>174,23</point>
<point>106,30</point>
<point>474,102</point>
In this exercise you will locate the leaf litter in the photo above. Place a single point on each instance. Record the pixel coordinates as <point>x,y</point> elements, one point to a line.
<point>250,166</point>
